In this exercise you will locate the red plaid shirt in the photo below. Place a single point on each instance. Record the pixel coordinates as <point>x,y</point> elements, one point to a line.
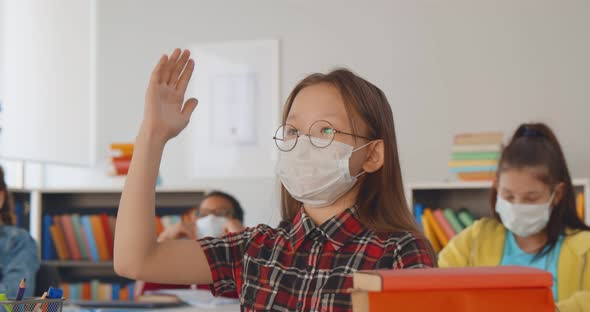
<point>301,266</point>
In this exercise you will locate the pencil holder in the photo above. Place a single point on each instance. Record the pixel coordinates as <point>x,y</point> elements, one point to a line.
<point>32,305</point>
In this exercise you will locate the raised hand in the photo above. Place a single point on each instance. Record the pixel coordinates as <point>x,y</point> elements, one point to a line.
<point>166,113</point>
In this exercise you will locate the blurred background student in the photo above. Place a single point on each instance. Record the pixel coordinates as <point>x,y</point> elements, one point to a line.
<point>217,214</point>
<point>18,251</point>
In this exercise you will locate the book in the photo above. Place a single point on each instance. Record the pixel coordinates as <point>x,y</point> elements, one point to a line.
<point>429,233</point>
<point>494,148</point>
<point>86,291</point>
<point>453,220</point>
<point>466,217</point>
<point>116,291</point>
<point>121,149</point>
<point>159,225</point>
<point>473,169</point>
<point>19,212</point>
<point>94,289</point>
<point>444,223</point>
<point>478,138</point>
<point>475,156</point>
<point>124,294</point>
<point>472,163</point>
<point>418,211</point>
<point>48,250</point>
<point>57,222</point>
<point>112,224</point>
<point>436,228</point>
<point>59,241</point>
<point>70,237</point>
<point>84,252</point>
<point>99,236</point>
<point>87,226</point>
<point>108,234</point>
<point>482,289</point>
<point>477,176</point>
<point>580,205</point>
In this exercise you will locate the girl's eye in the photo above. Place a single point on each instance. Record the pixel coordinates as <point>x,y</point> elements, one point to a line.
<point>292,132</point>
<point>327,130</point>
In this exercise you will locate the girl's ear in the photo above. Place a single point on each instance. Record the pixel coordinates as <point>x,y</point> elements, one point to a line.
<point>375,156</point>
<point>2,198</point>
<point>559,192</point>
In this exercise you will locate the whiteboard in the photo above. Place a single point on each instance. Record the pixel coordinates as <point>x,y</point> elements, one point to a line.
<point>49,81</point>
<point>237,84</point>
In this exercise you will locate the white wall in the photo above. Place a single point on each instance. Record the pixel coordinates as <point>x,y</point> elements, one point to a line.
<point>446,66</point>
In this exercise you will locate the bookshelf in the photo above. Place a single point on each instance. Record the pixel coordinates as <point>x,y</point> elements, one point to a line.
<point>475,196</point>
<point>36,203</point>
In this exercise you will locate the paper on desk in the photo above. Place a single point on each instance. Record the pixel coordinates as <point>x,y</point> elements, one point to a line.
<point>198,297</point>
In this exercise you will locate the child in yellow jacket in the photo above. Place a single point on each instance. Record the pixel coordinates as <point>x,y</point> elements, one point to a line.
<point>535,220</point>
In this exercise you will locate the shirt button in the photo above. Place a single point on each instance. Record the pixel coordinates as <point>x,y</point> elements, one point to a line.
<point>299,304</point>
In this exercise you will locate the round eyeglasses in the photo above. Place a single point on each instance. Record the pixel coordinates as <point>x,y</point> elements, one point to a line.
<point>321,134</point>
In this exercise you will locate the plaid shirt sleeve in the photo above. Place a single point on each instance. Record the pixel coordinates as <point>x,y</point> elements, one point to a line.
<point>225,255</point>
<point>414,253</point>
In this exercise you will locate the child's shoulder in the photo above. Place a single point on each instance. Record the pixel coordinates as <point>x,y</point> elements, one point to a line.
<point>13,233</point>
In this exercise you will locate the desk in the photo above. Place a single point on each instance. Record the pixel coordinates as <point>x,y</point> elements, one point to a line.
<point>223,308</point>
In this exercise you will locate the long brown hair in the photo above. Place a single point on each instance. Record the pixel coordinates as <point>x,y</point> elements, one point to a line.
<point>534,145</point>
<point>381,201</point>
<point>7,210</point>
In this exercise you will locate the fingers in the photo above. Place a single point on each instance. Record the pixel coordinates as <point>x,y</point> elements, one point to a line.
<point>167,68</point>
<point>157,72</point>
<point>178,67</point>
<point>185,77</point>
<point>189,107</point>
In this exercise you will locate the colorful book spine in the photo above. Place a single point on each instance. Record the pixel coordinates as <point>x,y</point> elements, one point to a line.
<point>87,225</point>
<point>94,289</point>
<point>70,237</point>
<point>477,176</point>
<point>104,219</point>
<point>99,237</point>
<point>116,291</point>
<point>444,224</point>
<point>580,203</point>
<point>429,233</point>
<point>475,156</point>
<point>48,251</point>
<point>478,138</point>
<point>59,241</point>
<point>472,163</point>
<point>418,212</point>
<point>437,229</point>
<point>473,169</point>
<point>466,218</point>
<point>452,219</point>
<point>57,222</point>
<point>84,252</point>
<point>480,148</point>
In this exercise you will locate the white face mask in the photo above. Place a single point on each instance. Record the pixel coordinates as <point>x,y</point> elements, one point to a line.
<point>317,177</point>
<point>211,226</point>
<point>524,220</point>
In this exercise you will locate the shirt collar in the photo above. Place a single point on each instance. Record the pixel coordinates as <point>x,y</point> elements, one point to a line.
<point>336,230</point>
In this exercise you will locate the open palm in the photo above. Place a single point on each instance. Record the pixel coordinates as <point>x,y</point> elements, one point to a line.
<point>166,113</point>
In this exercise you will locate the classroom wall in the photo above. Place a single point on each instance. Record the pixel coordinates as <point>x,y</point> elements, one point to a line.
<point>446,67</point>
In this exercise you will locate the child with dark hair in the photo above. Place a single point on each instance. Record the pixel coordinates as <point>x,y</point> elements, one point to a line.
<point>535,220</point>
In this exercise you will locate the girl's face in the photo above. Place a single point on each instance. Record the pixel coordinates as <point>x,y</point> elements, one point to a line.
<point>324,102</point>
<point>522,186</point>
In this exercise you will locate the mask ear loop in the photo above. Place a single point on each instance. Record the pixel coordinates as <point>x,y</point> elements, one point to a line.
<point>358,149</point>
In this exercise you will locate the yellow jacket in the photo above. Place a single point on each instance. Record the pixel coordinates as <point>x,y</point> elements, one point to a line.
<point>482,244</point>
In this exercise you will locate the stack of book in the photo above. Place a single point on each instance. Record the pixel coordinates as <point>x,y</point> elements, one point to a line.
<point>120,157</point>
<point>441,225</point>
<point>86,237</point>
<point>97,291</point>
<point>475,156</point>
